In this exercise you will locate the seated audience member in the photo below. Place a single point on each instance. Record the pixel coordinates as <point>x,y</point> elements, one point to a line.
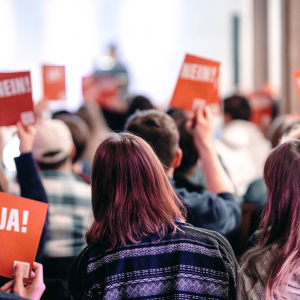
<point>32,291</point>
<point>138,103</point>
<point>80,135</point>
<point>242,146</point>
<point>270,270</point>
<point>139,246</point>
<point>68,195</point>
<point>257,190</point>
<point>189,174</point>
<point>215,209</point>
<point>275,129</point>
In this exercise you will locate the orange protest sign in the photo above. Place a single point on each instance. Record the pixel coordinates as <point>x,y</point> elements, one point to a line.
<point>297,79</point>
<point>21,224</point>
<point>54,81</point>
<point>15,99</point>
<point>198,80</point>
<point>261,109</point>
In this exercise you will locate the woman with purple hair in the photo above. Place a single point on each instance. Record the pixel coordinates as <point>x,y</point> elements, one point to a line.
<point>271,269</point>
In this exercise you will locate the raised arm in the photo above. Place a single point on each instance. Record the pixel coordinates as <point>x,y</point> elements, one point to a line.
<point>216,177</point>
<point>29,179</point>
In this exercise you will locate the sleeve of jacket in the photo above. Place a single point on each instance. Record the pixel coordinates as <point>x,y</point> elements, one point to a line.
<point>207,210</point>
<point>31,187</point>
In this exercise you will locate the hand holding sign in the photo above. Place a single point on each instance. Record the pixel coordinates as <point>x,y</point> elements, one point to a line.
<point>32,291</point>
<point>21,224</point>
<point>201,121</point>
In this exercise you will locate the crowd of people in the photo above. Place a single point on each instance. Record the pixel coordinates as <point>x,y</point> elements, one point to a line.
<point>149,205</point>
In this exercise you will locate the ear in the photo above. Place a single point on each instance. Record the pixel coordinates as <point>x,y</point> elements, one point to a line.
<point>227,118</point>
<point>177,159</point>
<point>5,187</point>
<point>73,152</point>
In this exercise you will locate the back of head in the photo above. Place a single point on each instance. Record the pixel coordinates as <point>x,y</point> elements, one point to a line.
<point>237,107</point>
<point>92,114</point>
<point>159,130</point>
<point>139,103</point>
<point>131,195</point>
<point>53,143</point>
<point>290,132</point>
<point>280,230</point>
<point>282,177</point>
<point>190,154</point>
<point>79,130</point>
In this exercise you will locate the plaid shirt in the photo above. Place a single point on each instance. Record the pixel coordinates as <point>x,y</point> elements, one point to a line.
<point>70,213</point>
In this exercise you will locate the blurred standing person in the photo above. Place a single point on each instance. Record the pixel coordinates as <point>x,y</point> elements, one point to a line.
<point>110,65</point>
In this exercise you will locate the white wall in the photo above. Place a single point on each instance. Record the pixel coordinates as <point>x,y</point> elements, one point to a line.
<point>153,37</point>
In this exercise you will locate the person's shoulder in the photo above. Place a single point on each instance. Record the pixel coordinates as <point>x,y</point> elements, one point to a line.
<point>203,195</point>
<point>211,238</point>
<point>81,262</point>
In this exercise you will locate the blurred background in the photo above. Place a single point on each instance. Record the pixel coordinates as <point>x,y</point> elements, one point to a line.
<point>151,38</point>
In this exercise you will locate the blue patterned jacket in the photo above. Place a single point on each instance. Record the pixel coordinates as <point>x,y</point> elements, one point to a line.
<point>193,264</point>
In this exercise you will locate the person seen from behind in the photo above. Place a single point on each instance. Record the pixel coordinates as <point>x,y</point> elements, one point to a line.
<point>215,208</point>
<point>271,270</point>
<point>139,246</point>
<point>68,195</point>
<point>242,147</point>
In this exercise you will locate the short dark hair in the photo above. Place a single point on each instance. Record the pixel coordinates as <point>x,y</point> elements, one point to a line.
<point>237,107</point>
<point>52,166</point>
<point>159,130</point>
<point>289,127</point>
<point>139,103</point>
<point>190,154</point>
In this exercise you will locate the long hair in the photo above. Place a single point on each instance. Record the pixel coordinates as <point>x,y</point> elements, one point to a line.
<point>280,225</point>
<point>131,194</point>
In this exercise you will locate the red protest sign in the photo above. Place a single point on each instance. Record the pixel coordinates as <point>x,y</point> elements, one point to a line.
<point>198,80</point>
<point>297,79</point>
<point>15,99</point>
<point>105,90</point>
<point>21,224</point>
<point>54,81</point>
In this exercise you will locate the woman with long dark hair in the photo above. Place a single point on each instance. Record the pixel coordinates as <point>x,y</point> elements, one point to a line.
<point>139,246</point>
<point>271,270</point>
